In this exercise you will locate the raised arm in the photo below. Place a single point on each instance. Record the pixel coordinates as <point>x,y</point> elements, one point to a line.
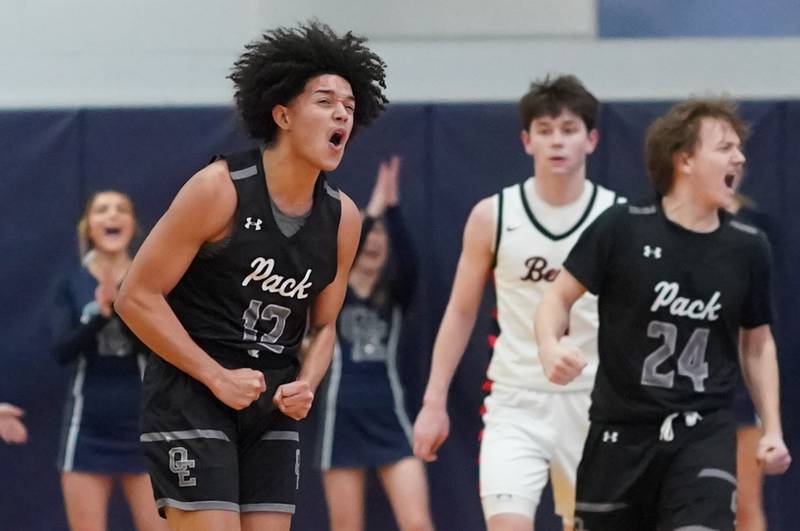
<point>432,425</point>
<point>295,399</point>
<point>201,212</point>
<point>760,370</point>
<point>69,335</point>
<point>561,363</point>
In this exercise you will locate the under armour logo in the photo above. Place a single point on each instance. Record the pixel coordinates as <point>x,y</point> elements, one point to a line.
<point>180,465</point>
<point>251,223</point>
<point>655,252</point>
<point>610,436</point>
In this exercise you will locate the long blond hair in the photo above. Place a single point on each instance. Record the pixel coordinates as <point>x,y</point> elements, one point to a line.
<point>84,241</point>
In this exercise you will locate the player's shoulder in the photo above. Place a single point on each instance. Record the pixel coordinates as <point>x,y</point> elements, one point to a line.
<point>212,180</point>
<point>350,214</point>
<point>484,209</point>
<point>607,196</point>
<point>743,232</point>
<point>207,201</point>
<point>639,210</point>
<point>623,212</point>
<point>621,218</point>
<point>332,190</point>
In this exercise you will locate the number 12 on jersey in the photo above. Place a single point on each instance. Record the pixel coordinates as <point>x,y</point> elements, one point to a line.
<point>691,363</point>
<point>271,312</point>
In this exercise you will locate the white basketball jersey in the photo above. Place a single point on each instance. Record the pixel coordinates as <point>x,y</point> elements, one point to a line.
<point>528,257</point>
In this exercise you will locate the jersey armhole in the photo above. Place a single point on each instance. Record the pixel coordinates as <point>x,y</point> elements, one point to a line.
<point>498,228</point>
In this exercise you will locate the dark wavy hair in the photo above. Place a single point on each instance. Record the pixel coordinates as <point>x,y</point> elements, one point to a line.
<point>549,96</point>
<point>274,69</point>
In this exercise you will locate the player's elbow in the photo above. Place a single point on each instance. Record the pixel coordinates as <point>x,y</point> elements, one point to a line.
<point>122,304</point>
<point>127,302</point>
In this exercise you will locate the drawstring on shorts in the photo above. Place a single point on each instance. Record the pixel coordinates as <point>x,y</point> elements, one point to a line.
<point>690,418</point>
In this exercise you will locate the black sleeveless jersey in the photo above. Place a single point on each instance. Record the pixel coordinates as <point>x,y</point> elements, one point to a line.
<point>671,304</point>
<point>254,291</point>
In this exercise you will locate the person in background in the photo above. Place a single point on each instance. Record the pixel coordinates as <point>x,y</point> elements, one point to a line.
<point>100,435</point>
<point>520,236</point>
<point>364,421</point>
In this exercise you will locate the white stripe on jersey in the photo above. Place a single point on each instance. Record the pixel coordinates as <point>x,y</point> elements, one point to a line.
<point>528,258</point>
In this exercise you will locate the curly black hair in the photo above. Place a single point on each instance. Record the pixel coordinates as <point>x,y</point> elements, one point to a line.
<point>273,70</point>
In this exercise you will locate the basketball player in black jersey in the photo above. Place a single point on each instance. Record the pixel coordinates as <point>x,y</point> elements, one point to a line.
<point>221,289</point>
<point>681,287</point>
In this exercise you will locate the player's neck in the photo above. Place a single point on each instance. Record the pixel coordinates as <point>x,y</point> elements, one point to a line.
<point>290,180</point>
<point>684,210</point>
<point>559,190</point>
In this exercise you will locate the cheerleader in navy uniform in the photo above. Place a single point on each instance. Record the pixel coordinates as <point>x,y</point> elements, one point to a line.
<point>365,423</point>
<point>100,435</point>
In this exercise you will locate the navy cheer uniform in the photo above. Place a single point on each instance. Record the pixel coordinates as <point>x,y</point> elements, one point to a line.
<point>661,450</point>
<point>100,432</point>
<point>245,301</point>
<point>364,422</point>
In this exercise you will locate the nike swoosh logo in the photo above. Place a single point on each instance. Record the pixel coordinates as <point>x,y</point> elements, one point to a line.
<point>510,229</point>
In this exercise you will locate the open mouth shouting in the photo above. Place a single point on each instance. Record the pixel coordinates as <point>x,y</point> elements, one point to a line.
<point>337,138</point>
<point>730,180</point>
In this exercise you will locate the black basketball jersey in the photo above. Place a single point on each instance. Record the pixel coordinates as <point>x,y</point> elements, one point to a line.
<point>671,304</point>
<point>254,291</point>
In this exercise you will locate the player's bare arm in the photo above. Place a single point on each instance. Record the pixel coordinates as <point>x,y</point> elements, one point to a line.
<point>295,399</point>
<point>201,212</point>
<point>432,425</point>
<point>561,363</point>
<point>760,369</point>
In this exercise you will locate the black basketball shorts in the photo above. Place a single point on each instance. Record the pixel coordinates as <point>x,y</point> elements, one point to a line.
<point>630,479</point>
<point>204,455</point>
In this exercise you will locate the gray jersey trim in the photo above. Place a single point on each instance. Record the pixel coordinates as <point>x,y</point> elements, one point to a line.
<point>267,507</point>
<point>742,227</point>
<point>197,506</point>
<point>281,436</point>
<point>331,191</point>
<point>717,473</point>
<point>157,436</point>
<point>244,173</point>
<point>288,225</point>
<point>642,211</point>
<point>599,507</point>
<point>694,528</point>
